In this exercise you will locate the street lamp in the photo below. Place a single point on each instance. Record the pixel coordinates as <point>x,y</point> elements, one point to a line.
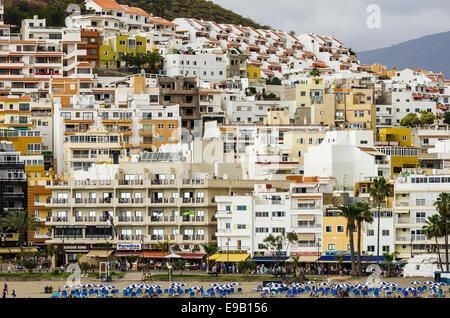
<point>318,246</point>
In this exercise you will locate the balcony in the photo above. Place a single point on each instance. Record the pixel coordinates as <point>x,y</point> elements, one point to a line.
<point>131,200</point>
<point>137,237</point>
<point>13,194</point>
<point>403,238</point>
<point>162,182</point>
<point>192,218</point>
<point>193,181</point>
<point>130,219</point>
<point>85,201</point>
<point>131,182</point>
<point>57,219</point>
<point>163,200</point>
<point>162,219</point>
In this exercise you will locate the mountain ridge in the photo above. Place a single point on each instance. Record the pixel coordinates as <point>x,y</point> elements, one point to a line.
<point>429,52</point>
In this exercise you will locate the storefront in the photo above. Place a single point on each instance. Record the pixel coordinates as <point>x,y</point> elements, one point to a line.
<point>68,253</point>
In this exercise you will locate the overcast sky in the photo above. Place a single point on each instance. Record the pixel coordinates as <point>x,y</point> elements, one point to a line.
<point>346,20</point>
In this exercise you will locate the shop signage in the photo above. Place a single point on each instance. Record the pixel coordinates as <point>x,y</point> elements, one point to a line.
<point>305,254</point>
<point>76,247</point>
<point>125,247</point>
<point>70,226</point>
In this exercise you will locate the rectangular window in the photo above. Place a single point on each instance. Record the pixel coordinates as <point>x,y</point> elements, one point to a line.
<point>331,247</point>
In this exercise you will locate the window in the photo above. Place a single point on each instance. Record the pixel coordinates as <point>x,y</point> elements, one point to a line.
<point>385,232</point>
<point>340,229</point>
<point>33,148</point>
<point>331,247</point>
<point>385,248</point>
<point>278,214</point>
<point>328,228</point>
<point>241,207</point>
<point>241,226</point>
<point>370,248</point>
<point>261,230</point>
<point>370,232</point>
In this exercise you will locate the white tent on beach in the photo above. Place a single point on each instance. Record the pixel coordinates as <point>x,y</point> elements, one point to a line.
<point>423,265</point>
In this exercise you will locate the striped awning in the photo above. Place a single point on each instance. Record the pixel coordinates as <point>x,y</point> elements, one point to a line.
<point>304,217</point>
<point>224,257</point>
<point>99,253</point>
<point>15,250</point>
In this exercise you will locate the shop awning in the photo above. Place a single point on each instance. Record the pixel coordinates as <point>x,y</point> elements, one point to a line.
<point>192,256</point>
<point>305,217</point>
<point>127,253</point>
<point>15,250</point>
<point>270,259</point>
<point>306,201</point>
<point>305,237</point>
<point>99,253</point>
<point>233,258</point>
<point>155,254</point>
<point>347,259</point>
<point>304,259</point>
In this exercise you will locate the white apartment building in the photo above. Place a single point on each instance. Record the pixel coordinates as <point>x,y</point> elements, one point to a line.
<point>414,198</point>
<point>348,156</point>
<point>243,222</point>
<point>247,110</point>
<point>208,66</point>
<point>37,29</point>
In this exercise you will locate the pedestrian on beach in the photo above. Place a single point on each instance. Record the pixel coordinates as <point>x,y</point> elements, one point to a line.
<point>13,294</point>
<point>4,293</point>
<point>5,287</point>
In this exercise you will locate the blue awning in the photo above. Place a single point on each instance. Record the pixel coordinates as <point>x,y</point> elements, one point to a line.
<point>347,259</point>
<point>269,259</point>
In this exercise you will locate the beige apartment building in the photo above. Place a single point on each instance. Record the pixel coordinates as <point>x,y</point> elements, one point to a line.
<point>153,201</point>
<point>347,104</point>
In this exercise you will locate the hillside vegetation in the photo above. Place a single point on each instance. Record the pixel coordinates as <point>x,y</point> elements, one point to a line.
<point>54,10</point>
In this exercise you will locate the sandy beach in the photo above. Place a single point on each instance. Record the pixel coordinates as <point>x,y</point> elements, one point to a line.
<point>35,289</point>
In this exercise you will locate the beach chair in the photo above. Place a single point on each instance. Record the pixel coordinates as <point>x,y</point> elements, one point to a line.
<point>64,293</point>
<point>166,291</point>
<point>239,290</point>
<point>259,288</point>
<point>191,294</point>
<point>365,293</point>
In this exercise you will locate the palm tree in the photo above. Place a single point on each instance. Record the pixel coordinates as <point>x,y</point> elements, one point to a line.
<point>388,258</point>
<point>339,258</point>
<point>210,249</point>
<point>135,62</point>
<point>443,207</point>
<point>350,213</point>
<point>290,237</point>
<point>295,261</point>
<point>365,215</point>
<point>379,191</point>
<point>22,223</point>
<point>434,227</point>
<point>314,72</point>
<point>274,244</point>
<point>154,61</point>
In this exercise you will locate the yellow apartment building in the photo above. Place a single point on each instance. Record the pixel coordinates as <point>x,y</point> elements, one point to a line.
<point>335,236</point>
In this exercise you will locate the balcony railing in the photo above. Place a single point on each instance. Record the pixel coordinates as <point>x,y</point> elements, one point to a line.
<point>130,182</point>
<point>193,181</point>
<point>162,219</point>
<point>57,219</point>
<point>60,201</point>
<point>131,200</point>
<point>162,182</point>
<point>131,219</point>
